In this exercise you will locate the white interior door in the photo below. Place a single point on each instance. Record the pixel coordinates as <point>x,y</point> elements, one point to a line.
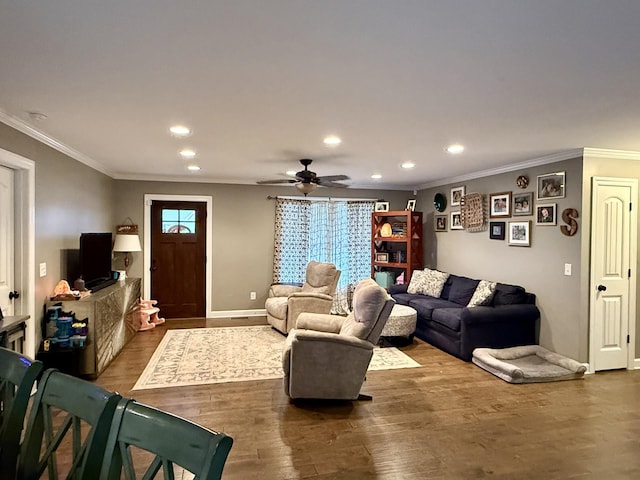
<point>612,257</point>
<point>6,239</point>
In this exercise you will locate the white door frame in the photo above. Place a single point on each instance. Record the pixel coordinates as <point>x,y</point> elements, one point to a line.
<point>148,198</point>
<point>633,246</point>
<point>24,253</point>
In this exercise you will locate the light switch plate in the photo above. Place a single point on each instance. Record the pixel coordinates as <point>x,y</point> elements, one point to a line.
<point>43,269</point>
<point>567,269</point>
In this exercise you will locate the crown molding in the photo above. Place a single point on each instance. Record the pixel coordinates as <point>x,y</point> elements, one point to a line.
<point>535,162</point>
<point>609,153</point>
<point>42,137</point>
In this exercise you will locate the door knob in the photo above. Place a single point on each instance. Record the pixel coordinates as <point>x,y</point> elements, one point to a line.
<point>602,288</point>
<point>13,295</point>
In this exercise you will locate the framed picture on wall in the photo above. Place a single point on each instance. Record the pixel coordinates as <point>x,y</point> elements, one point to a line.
<point>456,221</point>
<point>522,204</point>
<point>456,195</point>
<point>520,234</point>
<point>411,205</point>
<point>551,185</point>
<point>440,223</point>
<point>546,214</point>
<point>496,230</point>
<point>500,204</point>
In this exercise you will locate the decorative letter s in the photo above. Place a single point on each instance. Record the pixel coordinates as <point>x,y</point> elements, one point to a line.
<point>568,216</point>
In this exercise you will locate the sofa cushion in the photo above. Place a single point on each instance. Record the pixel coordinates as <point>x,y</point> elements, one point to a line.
<point>418,279</point>
<point>403,298</point>
<point>425,305</point>
<point>483,294</point>
<point>434,283</point>
<point>447,287</point>
<point>509,294</point>
<point>462,290</point>
<point>449,317</point>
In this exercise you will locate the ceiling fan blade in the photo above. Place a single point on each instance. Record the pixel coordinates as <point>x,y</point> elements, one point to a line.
<point>269,182</point>
<point>333,178</point>
<point>324,183</point>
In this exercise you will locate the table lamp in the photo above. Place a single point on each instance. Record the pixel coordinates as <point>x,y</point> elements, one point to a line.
<point>127,243</point>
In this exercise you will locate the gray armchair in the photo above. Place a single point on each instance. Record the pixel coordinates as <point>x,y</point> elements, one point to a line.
<point>327,356</point>
<point>286,302</point>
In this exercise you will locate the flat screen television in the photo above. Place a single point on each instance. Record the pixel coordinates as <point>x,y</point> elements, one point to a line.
<point>95,260</point>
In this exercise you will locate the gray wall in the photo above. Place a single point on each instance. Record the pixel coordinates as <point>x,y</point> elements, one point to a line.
<point>243,229</point>
<point>539,268</point>
<point>70,198</point>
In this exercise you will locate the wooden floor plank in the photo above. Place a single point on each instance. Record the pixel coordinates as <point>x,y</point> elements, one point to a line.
<point>447,419</point>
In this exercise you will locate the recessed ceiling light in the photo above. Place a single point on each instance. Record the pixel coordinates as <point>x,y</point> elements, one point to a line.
<point>332,141</point>
<point>187,153</point>
<point>180,131</point>
<point>408,165</point>
<point>193,168</point>
<point>455,148</point>
<point>291,173</point>
<point>376,176</point>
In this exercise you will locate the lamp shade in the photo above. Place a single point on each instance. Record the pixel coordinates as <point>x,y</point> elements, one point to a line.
<point>127,243</point>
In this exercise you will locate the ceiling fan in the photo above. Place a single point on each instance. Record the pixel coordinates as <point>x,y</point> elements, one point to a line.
<point>307,181</point>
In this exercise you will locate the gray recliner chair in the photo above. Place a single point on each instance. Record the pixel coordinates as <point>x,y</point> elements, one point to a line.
<point>286,302</point>
<point>327,356</point>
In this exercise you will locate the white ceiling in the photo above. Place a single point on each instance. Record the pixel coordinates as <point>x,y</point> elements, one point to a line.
<point>262,81</point>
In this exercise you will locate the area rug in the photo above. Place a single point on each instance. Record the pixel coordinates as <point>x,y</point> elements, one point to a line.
<point>527,364</point>
<point>202,356</point>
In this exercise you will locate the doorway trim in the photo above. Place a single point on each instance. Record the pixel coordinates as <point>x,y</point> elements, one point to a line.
<point>24,240</point>
<point>150,197</point>
<point>633,262</point>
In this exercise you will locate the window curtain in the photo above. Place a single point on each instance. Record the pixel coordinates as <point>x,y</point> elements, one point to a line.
<point>334,231</point>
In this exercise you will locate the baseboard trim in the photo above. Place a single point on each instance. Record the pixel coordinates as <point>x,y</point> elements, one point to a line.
<point>258,312</point>
<point>636,364</point>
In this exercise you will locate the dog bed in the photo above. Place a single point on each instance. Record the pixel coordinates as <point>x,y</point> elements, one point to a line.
<point>527,364</point>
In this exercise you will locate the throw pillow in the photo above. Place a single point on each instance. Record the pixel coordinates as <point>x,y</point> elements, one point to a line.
<point>483,294</point>
<point>418,277</point>
<point>434,282</point>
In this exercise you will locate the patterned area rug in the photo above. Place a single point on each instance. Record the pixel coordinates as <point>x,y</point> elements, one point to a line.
<point>232,354</point>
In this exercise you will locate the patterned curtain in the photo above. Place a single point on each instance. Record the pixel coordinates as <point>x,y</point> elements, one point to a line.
<point>291,242</point>
<point>326,231</point>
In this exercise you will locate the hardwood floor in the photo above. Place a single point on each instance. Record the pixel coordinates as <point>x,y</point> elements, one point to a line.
<point>444,420</point>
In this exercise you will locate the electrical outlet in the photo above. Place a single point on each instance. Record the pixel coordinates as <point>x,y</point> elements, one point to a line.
<point>252,295</point>
<point>567,269</point>
<point>43,269</point>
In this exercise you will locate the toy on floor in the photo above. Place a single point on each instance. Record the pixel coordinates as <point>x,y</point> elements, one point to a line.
<point>149,315</point>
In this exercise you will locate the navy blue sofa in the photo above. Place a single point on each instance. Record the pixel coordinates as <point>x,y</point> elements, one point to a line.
<point>511,319</point>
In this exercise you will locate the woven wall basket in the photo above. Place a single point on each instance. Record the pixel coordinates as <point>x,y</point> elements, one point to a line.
<point>472,212</point>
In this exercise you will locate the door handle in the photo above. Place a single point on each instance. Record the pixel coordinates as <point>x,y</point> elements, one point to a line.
<point>13,295</point>
<point>153,266</point>
<point>602,288</point>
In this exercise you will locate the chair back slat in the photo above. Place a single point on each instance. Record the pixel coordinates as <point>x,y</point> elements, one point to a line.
<point>182,443</point>
<point>17,377</point>
<point>88,407</point>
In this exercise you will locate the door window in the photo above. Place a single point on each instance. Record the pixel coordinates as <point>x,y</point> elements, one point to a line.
<point>178,220</point>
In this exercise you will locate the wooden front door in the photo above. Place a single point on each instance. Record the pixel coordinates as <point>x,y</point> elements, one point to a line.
<point>178,240</point>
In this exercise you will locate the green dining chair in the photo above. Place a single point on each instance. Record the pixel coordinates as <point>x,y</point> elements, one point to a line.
<point>67,429</point>
<point>171,440</point>
<point>17,377</point>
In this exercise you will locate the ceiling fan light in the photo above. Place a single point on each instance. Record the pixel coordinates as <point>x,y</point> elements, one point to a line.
<point>306,187</point>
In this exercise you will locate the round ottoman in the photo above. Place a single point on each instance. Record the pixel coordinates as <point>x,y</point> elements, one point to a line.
<point>400,326</point>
